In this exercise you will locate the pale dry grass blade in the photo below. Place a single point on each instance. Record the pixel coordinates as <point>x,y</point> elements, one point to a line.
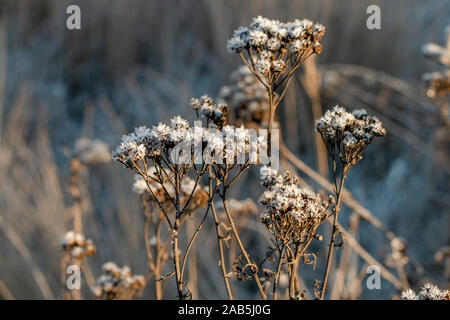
<point>4,292</point>
<point>20,246</point>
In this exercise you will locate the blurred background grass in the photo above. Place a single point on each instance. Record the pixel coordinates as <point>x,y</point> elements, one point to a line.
<point>137,62</point>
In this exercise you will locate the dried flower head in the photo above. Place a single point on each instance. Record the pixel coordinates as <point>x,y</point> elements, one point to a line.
<point>437,53</point>
<point>77,245</point>
<point>91,152</point>
<point>248,99</point>
<point>216,114</point>
<point>274,47</point>
<point>348,134</point>
<point>437,83</point>
<point>117,283</point>
<point>427,292</point>
<point>292,212</point>
<point>178,143</point>
<point>397,256</point>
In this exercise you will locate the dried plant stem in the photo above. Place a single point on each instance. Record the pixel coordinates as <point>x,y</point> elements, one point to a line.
<point>159,261</point>
<point>310,80</point>
<point>271,119</point>
<point>76,210</point>
<point>336,210</point>
<point>176,257</point>
<point>220,237</point>
<point>193,276</point>
<point>153,265</point>
<point>293,273</point>
<point>191,242</point>
<point>241,246</point>
<point>338,284</point>
<point>277,273</point>
<point>443,111</point>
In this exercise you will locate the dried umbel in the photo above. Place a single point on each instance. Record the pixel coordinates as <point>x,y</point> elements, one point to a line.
<point>248,99</point>
<point>183,145</point>
<point>215,114</point>
<point>292,214</point>
<point>91,152</point>
<point>117,283</point>
<point>437,53</point>
<point>77,245</point>
<point>274,47</point>
<point>427,292</point>
<point>346,135</point>
<point>397,257</point>
<point>437,83</point>
<point>272,51</point>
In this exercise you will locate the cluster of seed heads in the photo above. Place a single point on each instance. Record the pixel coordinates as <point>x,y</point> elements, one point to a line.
<point>427,292</point>
<point>91,152</point>
<point>77,245</point>
<point>347,134</point>
<point>397,256</point>
<point>117,283</point>
<point>273,45</point>
<point>247,97</point>
<point>216,114</point>
<point>216,142</point>
<point>292,210</point>
<point>438,82</point>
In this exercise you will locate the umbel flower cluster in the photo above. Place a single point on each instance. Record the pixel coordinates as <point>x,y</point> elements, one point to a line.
<point>291,213</point>
<point>117,283</point>
<point>273,45</point>
<point>272,51</point>
<point>438,82</point>
<point>427,292</point>
<point>214,114</point>
<point>77,245</point>
<point>348,134</point>
<point>247,97</point>
<point>214,143</point>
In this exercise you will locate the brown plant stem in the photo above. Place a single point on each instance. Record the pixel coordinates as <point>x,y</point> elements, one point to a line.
<point>277,274</point>
<point>334,233</point>
<point>241,246</point>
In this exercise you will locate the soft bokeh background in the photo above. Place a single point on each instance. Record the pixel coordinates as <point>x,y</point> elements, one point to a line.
<point>138,62</point>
